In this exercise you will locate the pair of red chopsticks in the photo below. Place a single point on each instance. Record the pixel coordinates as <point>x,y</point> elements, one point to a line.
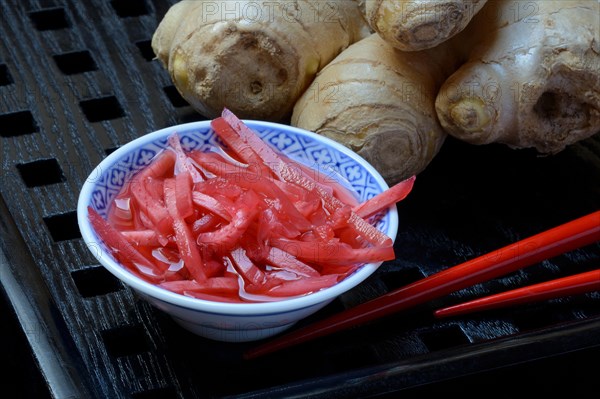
<point>558,240</point>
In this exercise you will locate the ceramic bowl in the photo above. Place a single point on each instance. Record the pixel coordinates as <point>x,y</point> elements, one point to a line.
<point>233,322</point>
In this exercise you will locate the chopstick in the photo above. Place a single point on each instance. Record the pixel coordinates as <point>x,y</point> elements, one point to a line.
<point>572,285</point>
<point>566,237</point>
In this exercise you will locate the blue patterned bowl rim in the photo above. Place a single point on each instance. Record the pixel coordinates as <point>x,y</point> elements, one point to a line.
<point>311,149</point>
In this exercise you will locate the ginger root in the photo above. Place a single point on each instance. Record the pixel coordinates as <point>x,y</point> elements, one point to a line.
<point>412,25</point>
<point>379,102</point>
<point>532,79</point>
<point>255,58</point>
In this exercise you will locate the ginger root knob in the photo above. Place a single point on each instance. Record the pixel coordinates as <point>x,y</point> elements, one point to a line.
<point>471,115</point>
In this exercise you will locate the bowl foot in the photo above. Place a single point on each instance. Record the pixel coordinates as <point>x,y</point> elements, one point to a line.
<point>253,332</point>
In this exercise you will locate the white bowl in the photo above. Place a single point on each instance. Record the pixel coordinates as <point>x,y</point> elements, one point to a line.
<point>232,322</point>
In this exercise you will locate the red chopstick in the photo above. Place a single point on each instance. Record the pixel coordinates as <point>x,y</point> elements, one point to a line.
<point>566,237</point>
<point>572,285</point>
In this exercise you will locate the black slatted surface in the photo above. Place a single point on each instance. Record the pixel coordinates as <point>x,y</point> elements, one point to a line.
<point>78,79</point>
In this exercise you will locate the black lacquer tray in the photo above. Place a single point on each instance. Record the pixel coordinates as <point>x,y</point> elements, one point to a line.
<point>78,79</point>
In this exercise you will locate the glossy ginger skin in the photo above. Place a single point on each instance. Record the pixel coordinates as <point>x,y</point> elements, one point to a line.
<point>531,79</point>
<point>412,25</point>
<point>253,58</point>
<point>379,101</point>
